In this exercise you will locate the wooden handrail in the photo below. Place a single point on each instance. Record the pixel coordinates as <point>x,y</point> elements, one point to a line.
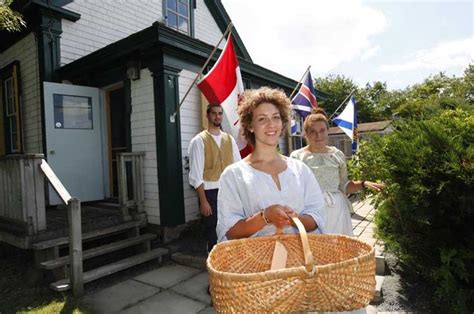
<point>55,182</point>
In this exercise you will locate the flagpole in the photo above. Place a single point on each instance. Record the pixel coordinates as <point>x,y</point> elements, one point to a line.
<point>229,28</point>
<point>342,103</point>
<point>289,139</point>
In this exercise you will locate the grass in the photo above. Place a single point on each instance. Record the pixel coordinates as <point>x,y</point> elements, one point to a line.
<point>26,290</point>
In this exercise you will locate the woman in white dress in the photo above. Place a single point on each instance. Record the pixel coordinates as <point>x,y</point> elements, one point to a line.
<point>265,189</point>
<point>329,167</point>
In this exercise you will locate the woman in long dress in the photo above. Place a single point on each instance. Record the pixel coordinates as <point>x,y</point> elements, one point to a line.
<point>328,165</point>
<point>265,189</point>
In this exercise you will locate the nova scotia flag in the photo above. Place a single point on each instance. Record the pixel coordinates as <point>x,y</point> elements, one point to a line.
<point>347,121</point>
<point>305,100</point>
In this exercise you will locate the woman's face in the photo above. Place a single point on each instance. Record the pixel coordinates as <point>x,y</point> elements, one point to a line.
<point>266,124</point>
<point>317,135</point>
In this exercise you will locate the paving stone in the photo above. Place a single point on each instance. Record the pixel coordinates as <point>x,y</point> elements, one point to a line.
<point>208,310</point>
<point>166,302</point>
<point>378,295</point>
<point>167,276</point>
<point>189,260</point>
<point>117,297</point>
<point>195,288</point>
<point>380,265</point>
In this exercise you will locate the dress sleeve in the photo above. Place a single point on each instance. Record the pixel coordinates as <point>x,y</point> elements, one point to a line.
<point>343,178</point>
<point>314,204</point>
<point>229,204</point>
<point>196,162</point>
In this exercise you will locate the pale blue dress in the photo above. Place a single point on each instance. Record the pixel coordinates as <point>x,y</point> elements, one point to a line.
<point>244,191</point>
<point>331,172</point>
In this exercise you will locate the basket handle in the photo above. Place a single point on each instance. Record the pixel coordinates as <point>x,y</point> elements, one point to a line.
<point>308,256</point>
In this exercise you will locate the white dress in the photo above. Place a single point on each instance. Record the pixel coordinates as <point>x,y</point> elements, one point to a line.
<point>331,172</point>
<point>244,191</point>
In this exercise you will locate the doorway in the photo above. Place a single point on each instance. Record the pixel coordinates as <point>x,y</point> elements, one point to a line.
<point>118,117</point>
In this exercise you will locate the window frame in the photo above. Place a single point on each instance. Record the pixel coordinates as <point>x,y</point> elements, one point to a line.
<point>191,6</point>
<point>12,140</point>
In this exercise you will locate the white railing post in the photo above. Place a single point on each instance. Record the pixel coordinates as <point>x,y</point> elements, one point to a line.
<point>75,246</point>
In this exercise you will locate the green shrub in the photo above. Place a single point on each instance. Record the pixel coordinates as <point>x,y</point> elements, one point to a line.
<point>425,213</point>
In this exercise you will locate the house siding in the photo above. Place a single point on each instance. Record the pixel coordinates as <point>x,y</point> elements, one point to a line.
<point>105,22</point>
<point>144,140</point>
<point>190,117</point>
<point>26,52</point>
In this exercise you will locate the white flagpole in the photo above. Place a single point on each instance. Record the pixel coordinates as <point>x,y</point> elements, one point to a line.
<point>228,30</point>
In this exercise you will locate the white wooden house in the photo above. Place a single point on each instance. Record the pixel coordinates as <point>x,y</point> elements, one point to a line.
<point>89,86</point>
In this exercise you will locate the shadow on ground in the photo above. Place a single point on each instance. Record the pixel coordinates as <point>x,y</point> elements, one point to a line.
<point>405,290</point>
<point>24,289</point>
<point>191,241</point>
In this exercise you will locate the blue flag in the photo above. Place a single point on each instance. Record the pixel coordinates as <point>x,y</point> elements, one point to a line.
<point>347,121</point>
<point>305,99</point>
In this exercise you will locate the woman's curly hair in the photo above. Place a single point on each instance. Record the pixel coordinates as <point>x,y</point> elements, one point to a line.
<point>252,98</point>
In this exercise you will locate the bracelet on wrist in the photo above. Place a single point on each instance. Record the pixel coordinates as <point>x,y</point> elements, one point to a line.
<point>264,217</point>
<point>363,184</point>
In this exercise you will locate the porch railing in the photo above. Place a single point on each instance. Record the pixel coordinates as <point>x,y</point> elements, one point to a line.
<point>130,182</point>
<point>22,202</point>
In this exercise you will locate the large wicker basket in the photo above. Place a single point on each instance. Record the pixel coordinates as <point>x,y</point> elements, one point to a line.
<point>341,277</point>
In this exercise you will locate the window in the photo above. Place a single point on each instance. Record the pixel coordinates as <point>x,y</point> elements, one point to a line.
<point>72,112</point>
<point>178,15</point>
<point>10,115</point>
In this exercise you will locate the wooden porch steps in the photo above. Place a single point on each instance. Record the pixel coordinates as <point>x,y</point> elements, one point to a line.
<point>107,251</point>
<point>100,250</point>
<point>64,284</point>
<point>89,235</point>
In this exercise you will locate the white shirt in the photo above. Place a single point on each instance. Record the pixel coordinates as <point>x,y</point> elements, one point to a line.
<point>244,191</point>
<point>196,160</point>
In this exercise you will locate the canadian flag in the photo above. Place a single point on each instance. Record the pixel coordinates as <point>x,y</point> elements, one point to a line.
<point>223,85</point>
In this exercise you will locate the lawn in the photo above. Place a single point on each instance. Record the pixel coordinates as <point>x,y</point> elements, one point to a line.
<point>25,290</point>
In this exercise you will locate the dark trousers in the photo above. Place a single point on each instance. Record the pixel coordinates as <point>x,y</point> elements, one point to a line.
<point>210,222</point>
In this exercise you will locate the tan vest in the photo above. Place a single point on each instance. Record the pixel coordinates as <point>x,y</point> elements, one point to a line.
<point>216,158</point>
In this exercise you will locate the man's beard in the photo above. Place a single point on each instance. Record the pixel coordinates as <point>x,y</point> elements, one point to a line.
<point>217,124</point>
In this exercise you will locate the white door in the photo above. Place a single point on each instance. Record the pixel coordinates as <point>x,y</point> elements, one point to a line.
<point>73,140</point>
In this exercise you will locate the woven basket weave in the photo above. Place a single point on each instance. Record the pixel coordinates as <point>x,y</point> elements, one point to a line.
<point>340,277</point>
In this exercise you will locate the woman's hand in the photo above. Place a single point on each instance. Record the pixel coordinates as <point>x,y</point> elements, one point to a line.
<point>279,215</point>
<point>374,185</point>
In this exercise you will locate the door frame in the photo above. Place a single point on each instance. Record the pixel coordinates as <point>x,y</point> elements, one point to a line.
<point>108,133</point>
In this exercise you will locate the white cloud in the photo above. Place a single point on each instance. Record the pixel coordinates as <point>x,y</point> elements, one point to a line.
<point>287,36</point>
<point>369,53</point>
<point>446,55</point>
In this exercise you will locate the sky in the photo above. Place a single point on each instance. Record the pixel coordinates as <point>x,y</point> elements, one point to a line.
<point>397,42</point>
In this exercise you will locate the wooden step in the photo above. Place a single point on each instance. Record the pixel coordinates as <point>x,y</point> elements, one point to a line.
<point>89,235</point>
<point>64,284</point>
<point>100,250</point>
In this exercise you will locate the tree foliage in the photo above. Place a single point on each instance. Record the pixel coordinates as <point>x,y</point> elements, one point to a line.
<point>426,211</point>
<point>10,20</point>
<point>375,102</point>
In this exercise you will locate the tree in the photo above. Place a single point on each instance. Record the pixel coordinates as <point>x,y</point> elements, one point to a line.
<point>10,20</point>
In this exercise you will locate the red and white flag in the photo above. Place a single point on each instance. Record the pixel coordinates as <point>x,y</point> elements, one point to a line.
<point>223,85</point>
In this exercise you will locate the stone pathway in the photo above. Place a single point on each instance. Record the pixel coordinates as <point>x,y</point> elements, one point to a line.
<point>183,289</point>
<point>363,224</point>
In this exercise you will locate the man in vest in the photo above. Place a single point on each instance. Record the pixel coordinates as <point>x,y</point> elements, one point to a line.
<point>209,153</point>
